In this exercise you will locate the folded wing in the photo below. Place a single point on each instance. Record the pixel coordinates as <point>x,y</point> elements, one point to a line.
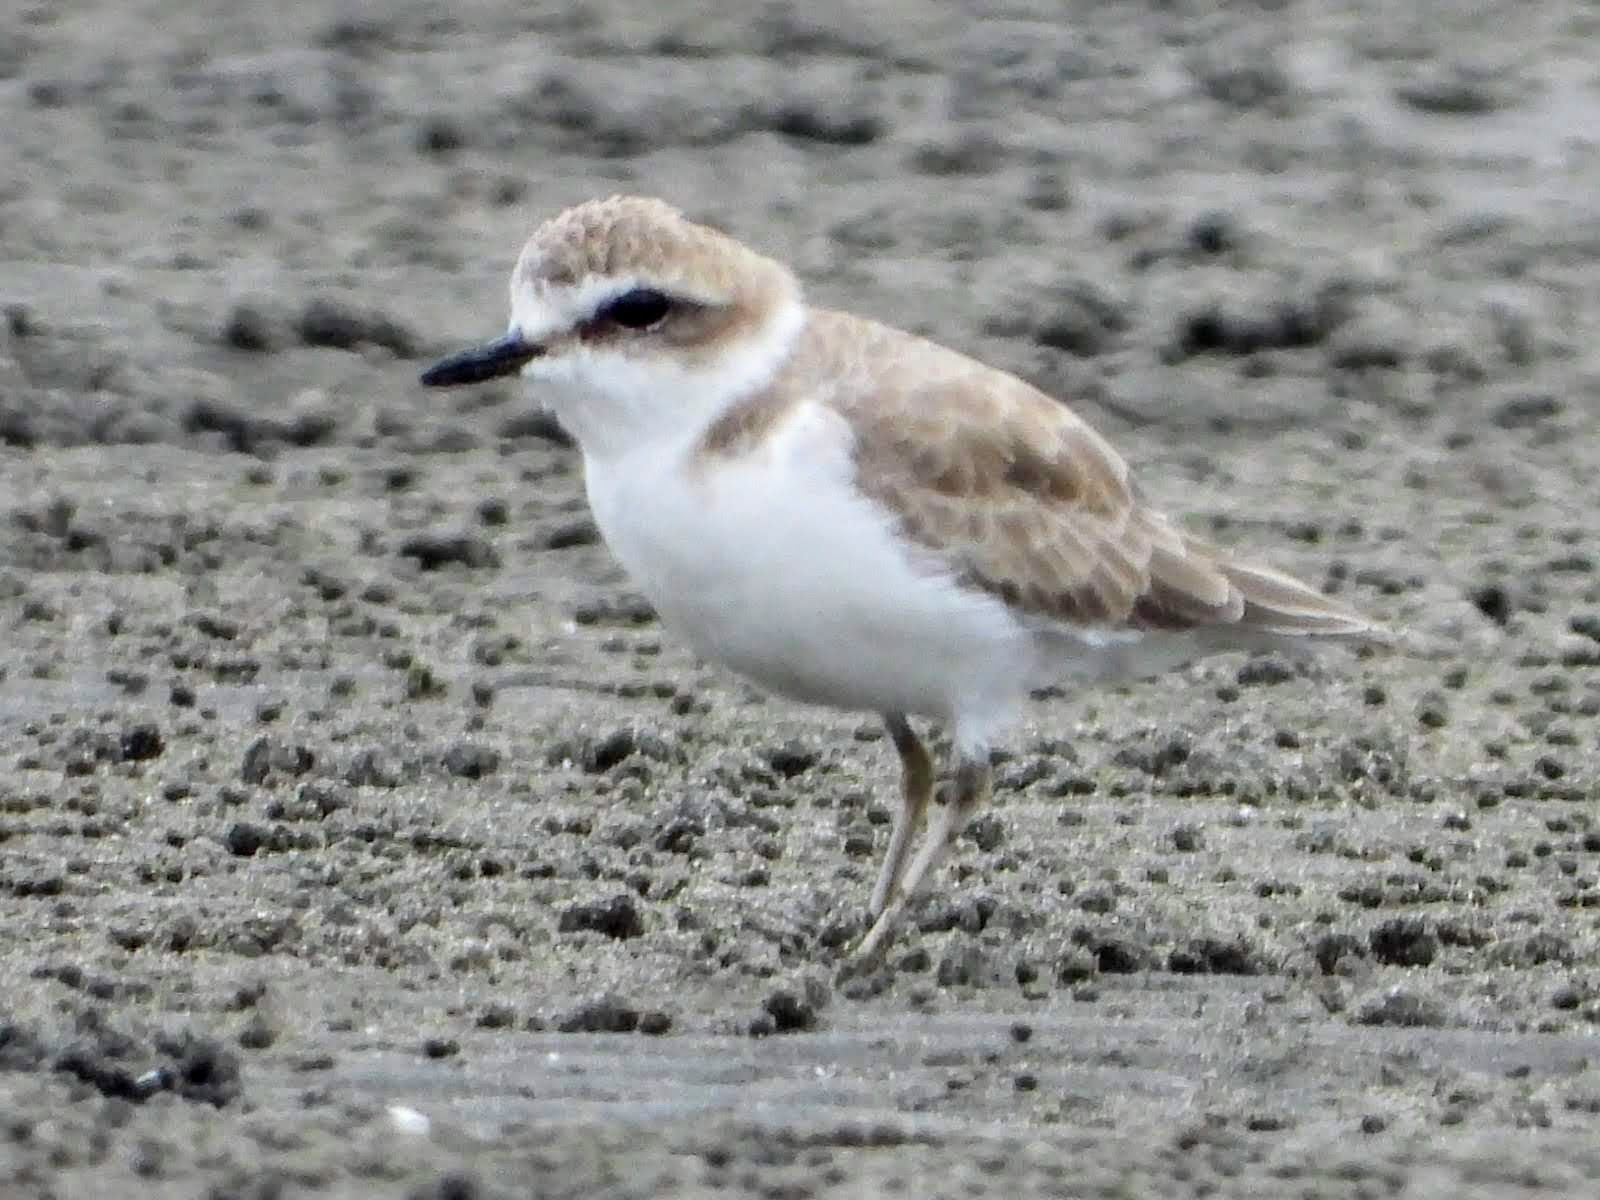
<point>1022,499</point>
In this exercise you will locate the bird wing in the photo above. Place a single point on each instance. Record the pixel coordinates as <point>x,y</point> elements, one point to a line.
<point>1020,498</point>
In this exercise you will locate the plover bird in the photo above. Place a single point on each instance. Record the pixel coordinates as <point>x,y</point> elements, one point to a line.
<point>852,516</point>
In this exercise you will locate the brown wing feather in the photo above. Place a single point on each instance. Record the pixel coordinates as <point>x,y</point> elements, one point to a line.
<point>1025,501</point>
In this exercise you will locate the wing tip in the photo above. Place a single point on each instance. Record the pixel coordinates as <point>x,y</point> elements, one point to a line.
<point>1279,604</point>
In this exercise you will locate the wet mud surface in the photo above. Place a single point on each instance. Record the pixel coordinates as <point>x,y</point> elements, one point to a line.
<point>362,833</point>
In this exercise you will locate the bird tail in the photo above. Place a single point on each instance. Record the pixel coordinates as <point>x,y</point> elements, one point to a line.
<point>1281,606</point>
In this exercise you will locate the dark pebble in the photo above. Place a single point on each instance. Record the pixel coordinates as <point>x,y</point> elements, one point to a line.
<point>438,1047</point>
<point>792,758</point>
<point>340,326</point>
<point>604,1014</point>
<point>471,762</point>
<point>579,532</point>
<point>253,328</point>
<point>617,917</point>
<point>789,1011</point>
<point>435,550</point>
<point>244,838</point>
<point>142,742</point>
<point>268,757</point>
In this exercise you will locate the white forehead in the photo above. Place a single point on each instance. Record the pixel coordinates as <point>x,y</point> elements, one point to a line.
<point>540,308</point>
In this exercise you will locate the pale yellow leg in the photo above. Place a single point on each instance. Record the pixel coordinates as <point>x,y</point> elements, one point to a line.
<point>916,788</point>
<point>973,783</point>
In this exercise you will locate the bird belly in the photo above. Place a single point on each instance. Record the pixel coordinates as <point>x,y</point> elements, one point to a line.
<point>783,572</point>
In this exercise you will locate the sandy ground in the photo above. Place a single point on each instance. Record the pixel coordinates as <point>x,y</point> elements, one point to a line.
<point>362,834</point>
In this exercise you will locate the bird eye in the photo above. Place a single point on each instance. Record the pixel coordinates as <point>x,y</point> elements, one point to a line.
<point>641,308</point>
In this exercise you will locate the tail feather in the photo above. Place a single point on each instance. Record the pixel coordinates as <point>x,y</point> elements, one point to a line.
<point>1275,605</point>
<point>1279,604</point>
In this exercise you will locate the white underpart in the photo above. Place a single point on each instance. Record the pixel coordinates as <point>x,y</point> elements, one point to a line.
<point>776,565</point>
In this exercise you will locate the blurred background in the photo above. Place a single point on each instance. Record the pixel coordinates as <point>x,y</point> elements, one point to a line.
<point>341,773</point>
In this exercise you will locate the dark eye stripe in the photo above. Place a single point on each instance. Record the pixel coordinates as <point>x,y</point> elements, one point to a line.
<point>640,308</point>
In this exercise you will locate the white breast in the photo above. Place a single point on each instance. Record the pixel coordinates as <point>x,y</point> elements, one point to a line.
<point>774,565</point>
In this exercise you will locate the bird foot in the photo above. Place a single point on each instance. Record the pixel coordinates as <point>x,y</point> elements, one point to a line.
<point>868,954</point>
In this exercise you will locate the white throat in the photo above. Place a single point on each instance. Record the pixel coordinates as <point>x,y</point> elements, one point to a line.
<point>615,404</point>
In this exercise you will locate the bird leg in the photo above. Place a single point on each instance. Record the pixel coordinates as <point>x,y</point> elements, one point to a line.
<point>916,789</point>
<point>973,783</point>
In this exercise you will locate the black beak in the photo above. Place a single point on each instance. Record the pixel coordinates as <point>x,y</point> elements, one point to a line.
<point>503,356</point>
